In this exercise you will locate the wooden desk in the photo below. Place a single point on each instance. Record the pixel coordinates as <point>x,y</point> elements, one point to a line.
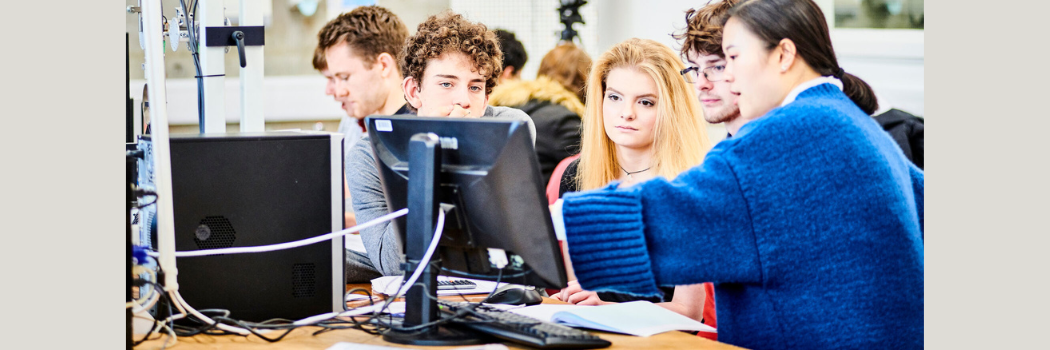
<point>302,339</point>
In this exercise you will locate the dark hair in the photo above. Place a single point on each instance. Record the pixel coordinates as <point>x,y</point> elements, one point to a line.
<point>513,51</point>
<point>803,23</point>
<point>450,32</point>
<point>369,30</point>
<point>703,32</point>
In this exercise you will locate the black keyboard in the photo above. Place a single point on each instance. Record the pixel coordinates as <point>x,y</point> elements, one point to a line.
<point>456,284</point>
<point>522,329</point>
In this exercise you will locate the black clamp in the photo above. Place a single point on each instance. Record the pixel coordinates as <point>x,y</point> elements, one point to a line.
<point>235,36</point>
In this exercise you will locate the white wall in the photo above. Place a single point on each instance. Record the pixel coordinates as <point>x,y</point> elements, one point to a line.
<point>891,61</point>
<point>535,23</point>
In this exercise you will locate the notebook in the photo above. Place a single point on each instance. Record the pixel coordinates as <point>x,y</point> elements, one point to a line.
<point>638,318</point>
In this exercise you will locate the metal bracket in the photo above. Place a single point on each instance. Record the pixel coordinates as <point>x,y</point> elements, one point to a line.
<point>223,36</point>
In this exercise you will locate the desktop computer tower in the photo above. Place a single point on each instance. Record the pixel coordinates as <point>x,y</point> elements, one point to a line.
<point>242,190</point>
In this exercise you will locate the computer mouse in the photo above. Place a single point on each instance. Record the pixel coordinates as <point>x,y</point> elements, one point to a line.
<point>515,294</point>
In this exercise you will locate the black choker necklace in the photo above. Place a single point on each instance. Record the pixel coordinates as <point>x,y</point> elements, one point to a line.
<point>631,178</point>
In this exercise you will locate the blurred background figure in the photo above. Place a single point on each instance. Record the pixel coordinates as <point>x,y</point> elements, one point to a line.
<point>552,100</point>
<point>514,55</point>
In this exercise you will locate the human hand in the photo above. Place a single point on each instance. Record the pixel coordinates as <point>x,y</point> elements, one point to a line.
<point>459,112</point>
<point>574,294</point>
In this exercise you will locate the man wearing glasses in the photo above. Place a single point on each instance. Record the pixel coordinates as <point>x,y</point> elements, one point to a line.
<point>702,48</point>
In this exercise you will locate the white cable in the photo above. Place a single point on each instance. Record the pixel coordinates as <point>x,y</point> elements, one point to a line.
<point>146,301</point>
<point>164,326</point>
<point>422,262</point>
<point>171,336</point>
<point>411,280</point>
<point>315,319</point>
<point>289,245</point>
<point>137,308</point>
<point>185,308</point>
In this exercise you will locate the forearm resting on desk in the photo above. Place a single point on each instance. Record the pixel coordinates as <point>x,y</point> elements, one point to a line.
<point>688,301</point>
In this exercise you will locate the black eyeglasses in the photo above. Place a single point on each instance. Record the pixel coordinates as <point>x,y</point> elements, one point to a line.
<point>712,73</point>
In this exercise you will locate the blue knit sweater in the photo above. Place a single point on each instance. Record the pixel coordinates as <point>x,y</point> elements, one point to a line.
<point>808,221</point>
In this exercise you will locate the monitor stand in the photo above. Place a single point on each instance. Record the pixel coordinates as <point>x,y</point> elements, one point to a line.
<point>423,171</point>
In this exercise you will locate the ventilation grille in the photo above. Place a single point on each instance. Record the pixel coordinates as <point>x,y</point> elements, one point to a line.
<point>304,280</point>
<point>214,232</point>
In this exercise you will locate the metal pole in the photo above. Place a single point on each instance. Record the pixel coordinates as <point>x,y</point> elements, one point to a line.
<point>161,151</point>
<point>213,67</point>
<point>252,119</point>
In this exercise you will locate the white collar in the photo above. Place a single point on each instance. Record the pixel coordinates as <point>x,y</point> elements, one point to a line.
<point>806,85</point>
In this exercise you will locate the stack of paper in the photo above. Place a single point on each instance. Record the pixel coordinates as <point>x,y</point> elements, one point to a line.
<point>395,308</point>
<point>389,284</point>
<point>639,318</point>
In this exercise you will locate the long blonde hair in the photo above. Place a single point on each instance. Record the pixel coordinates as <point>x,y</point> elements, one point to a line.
<point>680,141</point>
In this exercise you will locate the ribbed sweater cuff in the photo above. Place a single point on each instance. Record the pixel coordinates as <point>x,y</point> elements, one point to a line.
<point>606,240</point>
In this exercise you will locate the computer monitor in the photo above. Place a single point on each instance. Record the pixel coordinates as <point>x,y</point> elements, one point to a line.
<point>486,171</point>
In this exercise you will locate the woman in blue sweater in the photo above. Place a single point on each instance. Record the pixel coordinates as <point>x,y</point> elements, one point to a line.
<point>809,218</point>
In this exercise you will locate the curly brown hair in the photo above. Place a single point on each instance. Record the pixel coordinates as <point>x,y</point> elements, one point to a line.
<point>703,33</point>
<point>450,32</point>
<point>369,30</point>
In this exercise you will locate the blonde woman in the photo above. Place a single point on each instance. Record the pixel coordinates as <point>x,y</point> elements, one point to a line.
<point>641,121</point>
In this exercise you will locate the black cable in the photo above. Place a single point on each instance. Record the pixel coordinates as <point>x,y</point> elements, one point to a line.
<point>146,193</point>
<point>212,328</point>
<point>469,309</point>
<point>194,39</point>
<point>226,320</point>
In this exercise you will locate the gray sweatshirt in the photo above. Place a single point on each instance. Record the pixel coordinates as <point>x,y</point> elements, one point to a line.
<point>369,202</point>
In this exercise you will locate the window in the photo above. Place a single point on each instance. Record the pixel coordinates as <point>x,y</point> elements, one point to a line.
<point>889,14</point>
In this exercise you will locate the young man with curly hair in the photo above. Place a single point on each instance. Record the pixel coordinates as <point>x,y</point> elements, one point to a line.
<point>702,48</point>
<point>450,67</point>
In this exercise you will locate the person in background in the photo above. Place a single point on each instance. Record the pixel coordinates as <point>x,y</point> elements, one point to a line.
<point>642,123</point>
<point>555,110</point>
<point>803,219</point>
<point>572,76</point>
<point>907,130</point>
<point>347,126</point>
<point>514,56</point>
<point>356,52</point>
<point>702,48</point>
<point>450,67</point>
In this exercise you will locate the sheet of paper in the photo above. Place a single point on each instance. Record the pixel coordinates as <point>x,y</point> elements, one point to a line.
<point>355,296</point>
<point>395,308</point>
<point>355,346</point>
<point>389,284</point>
<point>544,312</point>
<point>639,318</point>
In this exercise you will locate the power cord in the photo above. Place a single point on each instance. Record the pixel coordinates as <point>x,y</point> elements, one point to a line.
<point>293,244</point>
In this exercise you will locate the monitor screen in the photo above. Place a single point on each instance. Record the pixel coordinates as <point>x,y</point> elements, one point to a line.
<point>490,177</point>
